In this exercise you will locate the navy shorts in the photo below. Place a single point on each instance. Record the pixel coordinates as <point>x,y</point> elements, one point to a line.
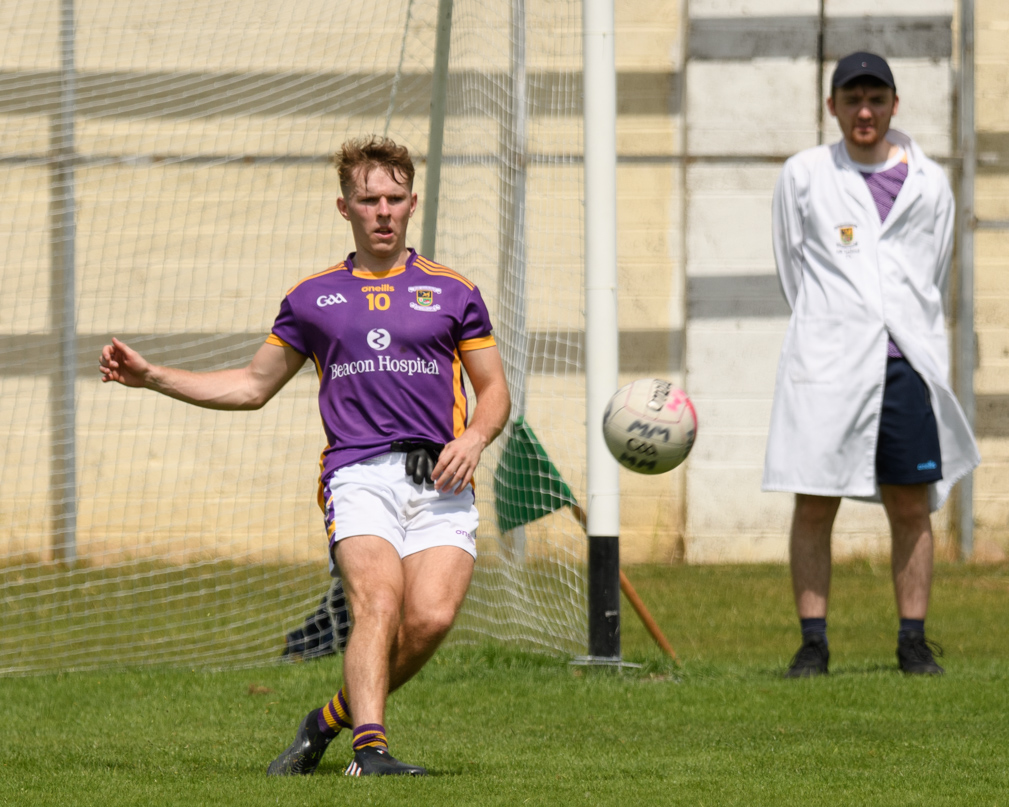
<point>907,452</point>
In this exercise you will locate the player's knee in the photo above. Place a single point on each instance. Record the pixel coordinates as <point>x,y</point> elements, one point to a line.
<point>815,511</point>
<point>911,520</point>
<point>432,625</point>
<point>377,606</point>
<point>907,507</point>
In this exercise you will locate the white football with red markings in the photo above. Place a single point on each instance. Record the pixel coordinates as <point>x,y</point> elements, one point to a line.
<point>650,426</point>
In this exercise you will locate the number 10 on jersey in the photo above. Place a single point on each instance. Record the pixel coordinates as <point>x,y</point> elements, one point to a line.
<point>378,301</point>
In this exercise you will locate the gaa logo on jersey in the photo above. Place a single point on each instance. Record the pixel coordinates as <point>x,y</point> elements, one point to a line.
<point>331,299</point>
<point>425,298</point>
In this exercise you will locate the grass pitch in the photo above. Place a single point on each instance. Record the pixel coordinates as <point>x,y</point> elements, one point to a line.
<point>499,727</point>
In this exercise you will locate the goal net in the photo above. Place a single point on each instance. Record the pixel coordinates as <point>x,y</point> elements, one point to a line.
<point>165,178</point>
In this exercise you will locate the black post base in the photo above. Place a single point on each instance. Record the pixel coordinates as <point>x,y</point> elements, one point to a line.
<point>604,597</point>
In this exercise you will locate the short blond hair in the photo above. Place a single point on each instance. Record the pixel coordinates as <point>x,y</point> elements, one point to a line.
<point>373,152</point>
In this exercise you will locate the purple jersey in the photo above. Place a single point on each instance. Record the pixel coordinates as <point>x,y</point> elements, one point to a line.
<point>884,187</point>
<point>387,349</point>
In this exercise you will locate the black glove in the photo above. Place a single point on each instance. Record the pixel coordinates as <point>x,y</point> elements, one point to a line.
<point>421,457</point>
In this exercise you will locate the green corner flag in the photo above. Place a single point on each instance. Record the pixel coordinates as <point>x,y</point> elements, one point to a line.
<point>527,486</point>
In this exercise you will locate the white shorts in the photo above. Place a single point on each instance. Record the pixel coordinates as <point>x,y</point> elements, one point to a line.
<point>376,497</point>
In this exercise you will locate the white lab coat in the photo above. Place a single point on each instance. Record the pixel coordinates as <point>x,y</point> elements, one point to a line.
<point>850,281</point>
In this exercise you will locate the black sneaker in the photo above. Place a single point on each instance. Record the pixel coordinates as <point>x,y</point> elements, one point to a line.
<point>375,761</point>
<point>811,659</point>
<point>305,753</point>
<point>915,654</point>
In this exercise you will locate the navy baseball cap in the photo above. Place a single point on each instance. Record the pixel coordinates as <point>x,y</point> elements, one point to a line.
<point>858,64</point>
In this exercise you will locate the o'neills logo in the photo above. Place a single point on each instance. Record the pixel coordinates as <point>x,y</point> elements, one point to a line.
<point>385,364</point>
<point>383,287</point>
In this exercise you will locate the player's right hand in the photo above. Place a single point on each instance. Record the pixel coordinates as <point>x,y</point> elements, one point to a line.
<point>119,362</point>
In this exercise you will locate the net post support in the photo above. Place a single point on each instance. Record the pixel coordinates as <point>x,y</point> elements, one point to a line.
<point>513,338</point>
<point>966,339</point>
<point>436,132</point>
<point>601,327</point>
<point>62,300</point>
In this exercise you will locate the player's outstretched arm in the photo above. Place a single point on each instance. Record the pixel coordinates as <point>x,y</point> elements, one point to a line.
<point>459,458</point>
<point>249,387</point>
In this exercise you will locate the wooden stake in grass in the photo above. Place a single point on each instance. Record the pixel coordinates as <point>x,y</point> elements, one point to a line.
<point>646,618</point>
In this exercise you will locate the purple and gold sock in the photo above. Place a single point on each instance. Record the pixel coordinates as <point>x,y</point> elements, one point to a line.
<point>335,715</point>
<point>370,735</point>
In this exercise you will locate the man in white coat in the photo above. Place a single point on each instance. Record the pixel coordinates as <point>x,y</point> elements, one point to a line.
<point>863,235</point>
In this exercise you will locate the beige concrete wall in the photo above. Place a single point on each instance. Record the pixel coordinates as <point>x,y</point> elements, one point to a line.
<point>649,252</point>
<point>178,252</point>
<point>751,101</point>
<point>991,486</point>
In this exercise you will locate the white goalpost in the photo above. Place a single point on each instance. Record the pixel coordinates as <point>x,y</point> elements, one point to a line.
<point>165,178</point>
<point>601,332</point>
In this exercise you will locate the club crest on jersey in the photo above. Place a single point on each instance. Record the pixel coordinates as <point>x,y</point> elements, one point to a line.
<point>425,298</point>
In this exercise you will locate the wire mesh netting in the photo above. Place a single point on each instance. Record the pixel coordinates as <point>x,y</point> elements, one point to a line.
<point>164,178</point>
